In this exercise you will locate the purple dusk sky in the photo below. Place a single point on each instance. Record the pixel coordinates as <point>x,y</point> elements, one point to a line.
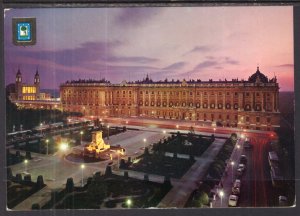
<point>175,43</point>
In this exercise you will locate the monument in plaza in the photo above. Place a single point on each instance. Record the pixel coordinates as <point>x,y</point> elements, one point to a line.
<point>97,146</point>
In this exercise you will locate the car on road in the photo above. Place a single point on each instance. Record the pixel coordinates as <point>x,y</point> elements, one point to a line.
<point>242,167</point>
<point>236,190</point>
<point>282,201</point>
<point>237,183</point>
<point>239,173</point>
<point>243,159</point>
<point>233,200</point>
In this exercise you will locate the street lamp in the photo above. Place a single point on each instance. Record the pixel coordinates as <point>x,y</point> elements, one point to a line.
<point>177,126</point>
<point>81,133</point>
<point>118,153</point>
<point>82,168</point>
<point>221,193</point>
<point>214,131</point>
<point>63,146</point>
<point>145,140</point>
<point>164,132</point>
<point>47,143</point>
<point>108,131</point>
<point>232,164</point>
<point>25,164</point>
<point>129,202</point>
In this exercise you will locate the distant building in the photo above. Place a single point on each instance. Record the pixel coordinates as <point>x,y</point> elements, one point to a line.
<point>246,104</point>
<point>28,95</point>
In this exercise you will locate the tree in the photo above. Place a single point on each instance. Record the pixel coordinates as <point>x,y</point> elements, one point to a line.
<point>69,185</point>
<point>40,181</point>
<point>35,206</point>
<point>108,171</point>
<point>97,190</point>
<point>203,199</point>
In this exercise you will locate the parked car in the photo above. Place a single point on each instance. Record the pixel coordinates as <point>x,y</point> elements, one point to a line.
<point>239,173</point>
<point>236,190</point>
<point>282,201</point>
<point>243,159</point>
<point>237,183</point>
<point>233,200</point>
<point>242,167</point>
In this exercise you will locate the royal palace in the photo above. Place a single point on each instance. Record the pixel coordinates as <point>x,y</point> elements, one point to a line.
<point>248,104</point>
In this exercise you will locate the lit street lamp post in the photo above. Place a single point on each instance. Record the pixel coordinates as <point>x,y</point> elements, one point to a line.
<point>25,164</point>
<point>221,196</point>
<point>81,133</point>
<point>145,140</point>
<point>47,143</point>
<point>214,131</point>
<point>128,202</point>
<point>82,168</point>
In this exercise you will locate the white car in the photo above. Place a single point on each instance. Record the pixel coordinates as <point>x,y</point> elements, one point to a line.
<point>233,200</point>
<point>282,200</point>
<point>242,167</point>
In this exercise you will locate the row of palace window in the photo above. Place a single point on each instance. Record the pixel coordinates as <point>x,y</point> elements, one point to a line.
<point>85,92</point>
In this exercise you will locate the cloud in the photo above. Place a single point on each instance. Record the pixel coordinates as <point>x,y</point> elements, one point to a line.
<point>285,66</point>
<point>198,49</point>
<point>136,16</point>
<point>205,64</point>
<point>84,54</point>
<point>228,60</point>
<point>175,66</point>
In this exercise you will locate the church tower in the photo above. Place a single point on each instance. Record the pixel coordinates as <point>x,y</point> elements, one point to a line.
<point>37,84</point>
<point>19,85</point>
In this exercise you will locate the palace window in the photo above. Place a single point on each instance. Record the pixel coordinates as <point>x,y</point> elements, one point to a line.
<point>183,104</point>
<point>220,106</point>
<point>141,92</point>
<point>198,93</point>
<point>152,103</point>
<point>212,105</point>
<point>191,93</point>
<point>228,106</point>
<point>205,105</point>
<point>236,106</point>
<point>257,94</point>
<point>227,93</point>
<point>247,118</point>
<point>146,92</point>
<point>227,117</point>
<point>191,104</point>
<point>220,93</point>
<point>212,117</point>
<point>146,103</point>
<point>258,107</point>
<point>247,94</point>
<point>268,119</point>
<point>247,107</point>
<point>220,116</point>
<point>257,119</point>
<point>235,94</point>
<point>205,93</point>
<point>164,104</point>
<point>171,104</point>
<point>197,105</point>
<point>183,93</point>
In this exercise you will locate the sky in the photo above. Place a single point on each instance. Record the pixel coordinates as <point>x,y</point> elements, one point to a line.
<point>165,42</point>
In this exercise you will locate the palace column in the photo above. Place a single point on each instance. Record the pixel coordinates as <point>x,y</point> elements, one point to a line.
<point>224,93</point>
<point>253,100</point>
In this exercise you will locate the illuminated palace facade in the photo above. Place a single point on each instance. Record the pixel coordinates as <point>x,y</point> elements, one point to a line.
<point>247,104</point>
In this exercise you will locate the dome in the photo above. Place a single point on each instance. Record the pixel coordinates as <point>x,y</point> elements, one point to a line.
<point>258,77</point>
